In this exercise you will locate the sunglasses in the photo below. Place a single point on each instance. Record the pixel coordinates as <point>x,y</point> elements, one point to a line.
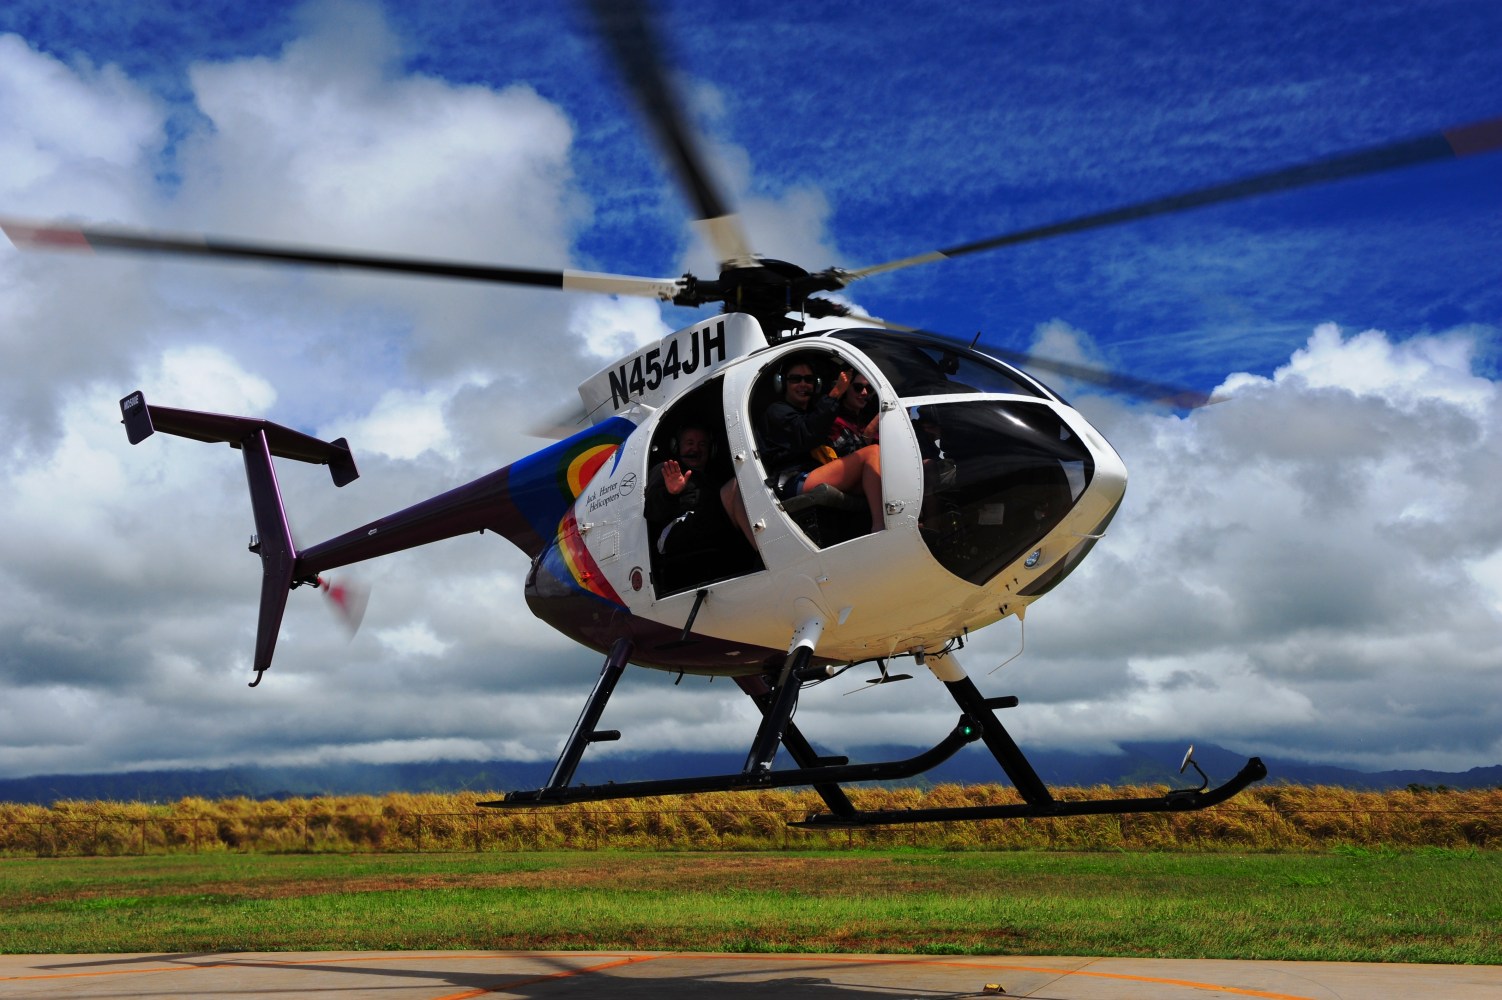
<point>795,379</point>
<point>861,388</point>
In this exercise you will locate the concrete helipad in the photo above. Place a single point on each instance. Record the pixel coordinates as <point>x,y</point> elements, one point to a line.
<point>454,975</point>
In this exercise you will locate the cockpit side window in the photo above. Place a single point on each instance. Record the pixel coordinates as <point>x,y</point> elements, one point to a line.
<point>692,539</point>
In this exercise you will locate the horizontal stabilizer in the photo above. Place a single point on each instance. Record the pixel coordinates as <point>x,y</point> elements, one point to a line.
<point>142,419</point>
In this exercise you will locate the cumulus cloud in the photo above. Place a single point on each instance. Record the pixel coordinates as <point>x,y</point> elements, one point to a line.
<point>126,595</point>
<point>1293,566</point>
<point>76,135</point>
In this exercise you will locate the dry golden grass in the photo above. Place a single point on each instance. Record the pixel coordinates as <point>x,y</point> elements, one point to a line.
<point>1271,818</point>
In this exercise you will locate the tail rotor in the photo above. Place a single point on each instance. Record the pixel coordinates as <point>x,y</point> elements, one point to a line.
<point>347,599</point>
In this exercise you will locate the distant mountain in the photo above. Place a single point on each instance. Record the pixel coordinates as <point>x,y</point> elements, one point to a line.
<point>1137,764</point>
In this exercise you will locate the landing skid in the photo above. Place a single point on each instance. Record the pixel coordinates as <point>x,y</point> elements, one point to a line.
<point>1182,800</point>
<point>776,701</point>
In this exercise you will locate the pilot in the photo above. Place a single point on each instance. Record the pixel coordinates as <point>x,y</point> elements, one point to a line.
<point>677,512</point>
<point>794,427</point>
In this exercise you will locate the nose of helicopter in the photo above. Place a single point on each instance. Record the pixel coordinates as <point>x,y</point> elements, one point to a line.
<point>999,476</point>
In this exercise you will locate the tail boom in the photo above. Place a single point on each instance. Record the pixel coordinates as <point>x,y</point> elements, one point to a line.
<point>525,502</point>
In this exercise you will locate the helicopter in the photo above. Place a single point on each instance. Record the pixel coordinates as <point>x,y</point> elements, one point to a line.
<point>969,438</point>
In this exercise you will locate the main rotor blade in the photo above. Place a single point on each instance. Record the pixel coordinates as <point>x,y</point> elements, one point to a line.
<point>68,236</point>
<point>1129,385</point>
<point>1465,140</point>
<point>626,27</point>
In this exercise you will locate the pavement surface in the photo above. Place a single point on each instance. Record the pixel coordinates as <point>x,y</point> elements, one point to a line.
<point>438,975</point>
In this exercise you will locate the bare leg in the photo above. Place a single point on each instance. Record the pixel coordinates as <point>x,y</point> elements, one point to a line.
<point>857,469</point>
<point>871,484</point>
<point>735,509</point>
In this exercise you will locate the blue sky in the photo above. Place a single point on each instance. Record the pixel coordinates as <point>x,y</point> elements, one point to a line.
<point>1284,565</point>
<point>929,124</point>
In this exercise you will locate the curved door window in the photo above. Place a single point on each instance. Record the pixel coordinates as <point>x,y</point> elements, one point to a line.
<point>813,446</point>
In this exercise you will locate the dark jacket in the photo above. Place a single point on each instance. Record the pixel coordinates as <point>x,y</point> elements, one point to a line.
<point>789,435</point>
<point>662,506</point>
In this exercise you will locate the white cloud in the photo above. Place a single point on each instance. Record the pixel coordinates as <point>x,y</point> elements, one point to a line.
<point>404,424</point>
<point>75,137</point>
<point>1289,554</point>
<point>609,328</point>
<point>1309,568</point>
<point>413,640</point>
<point>206,378</point>
<point>124,575</point>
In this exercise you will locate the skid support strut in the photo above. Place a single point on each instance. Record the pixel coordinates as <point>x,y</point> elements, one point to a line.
<point>777,715</point>
<point>584,730</point>
<point>1038,801</point>
<point>982,709</point>
<point>800,749</point>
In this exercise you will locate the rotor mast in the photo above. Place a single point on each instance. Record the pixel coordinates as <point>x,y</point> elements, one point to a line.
<point>768,290</point>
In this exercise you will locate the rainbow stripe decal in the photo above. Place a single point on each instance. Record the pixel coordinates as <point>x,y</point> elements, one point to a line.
<point>583,466</point>
<point>545,485</point>
<point>581,565</point>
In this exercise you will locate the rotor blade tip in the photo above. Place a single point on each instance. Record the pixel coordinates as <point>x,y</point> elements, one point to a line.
<point>32,236</point>
<point>1479,137</point>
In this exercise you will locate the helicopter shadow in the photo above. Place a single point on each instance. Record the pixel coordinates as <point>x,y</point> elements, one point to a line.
<point>553,976</point>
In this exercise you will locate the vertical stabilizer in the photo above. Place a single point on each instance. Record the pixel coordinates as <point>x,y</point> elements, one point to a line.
<point>273,544</point>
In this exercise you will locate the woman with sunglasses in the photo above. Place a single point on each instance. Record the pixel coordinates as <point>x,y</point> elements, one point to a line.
<point>857,422</point>
<point>794,427</point>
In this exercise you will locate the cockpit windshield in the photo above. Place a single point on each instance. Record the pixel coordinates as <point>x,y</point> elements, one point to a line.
<point>997,477</point>
<point>917,366</point>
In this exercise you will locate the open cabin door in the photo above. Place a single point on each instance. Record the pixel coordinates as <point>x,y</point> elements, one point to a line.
<point>693,541</point>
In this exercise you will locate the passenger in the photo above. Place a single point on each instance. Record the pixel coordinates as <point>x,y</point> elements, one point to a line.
<point>677,515</point>
<point>794,427</point>
<point>857,423</point>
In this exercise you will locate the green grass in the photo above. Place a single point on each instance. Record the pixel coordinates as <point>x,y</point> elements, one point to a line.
<point>1428,905</point>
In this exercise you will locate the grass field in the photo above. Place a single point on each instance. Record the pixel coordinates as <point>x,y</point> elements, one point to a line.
<point>1350,904</point>
<point>1264,818</point>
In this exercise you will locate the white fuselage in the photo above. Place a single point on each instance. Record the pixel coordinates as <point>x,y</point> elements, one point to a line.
<point>952,509</point>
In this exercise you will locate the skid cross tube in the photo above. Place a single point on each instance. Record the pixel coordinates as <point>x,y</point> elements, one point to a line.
<point>895,770</point>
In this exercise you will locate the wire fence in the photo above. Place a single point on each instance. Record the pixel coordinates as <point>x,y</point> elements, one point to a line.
<point>575,828</point>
